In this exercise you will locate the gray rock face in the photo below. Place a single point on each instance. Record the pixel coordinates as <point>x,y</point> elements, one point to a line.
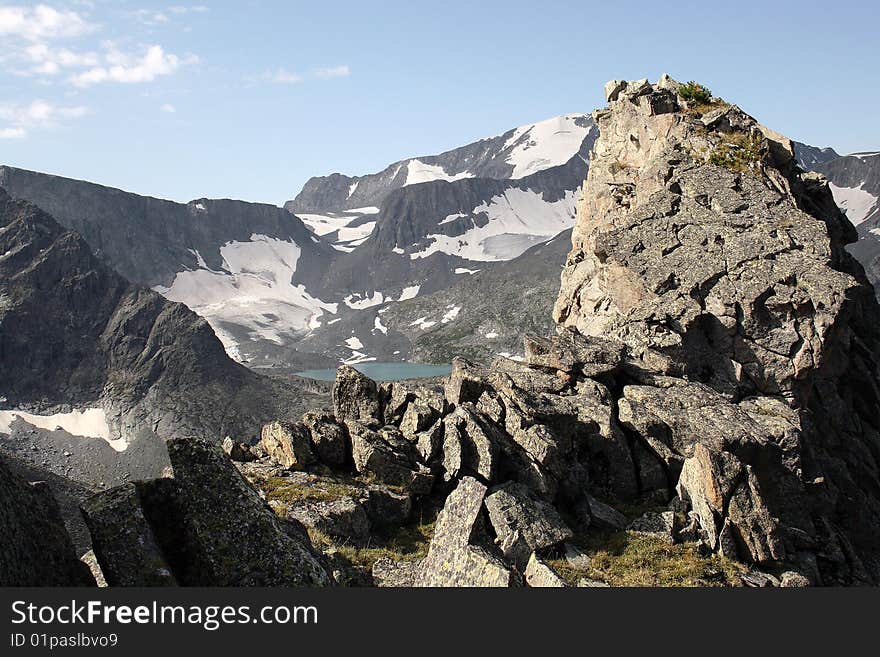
<point>453,560</point>
<point>124,544</point>
<point>523,523</point>
<point>722,267</point>
<point>287,444</point>
<point>36,549</point>
<point>539,575</point>
<point>374,456</point>
<point>355,396</point>
<point>342,519</point>
<point>206,525</point>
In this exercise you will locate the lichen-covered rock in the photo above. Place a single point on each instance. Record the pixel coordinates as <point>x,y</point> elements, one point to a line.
<point>123,540</point>
<point>218,532</point>
<point>395,574</point>
<point>572,352</point>
<point>540,575</point>
<point>523,523</point>
<point>288,444</point>
<point>35,548</point>
<point>386,507</point>
<point>329,438</point>
<point>452,559</point>
<point>355,397</point>
<point>344,518</point>
<point>375,457</point>
<point>722,267</point>
<point>237,451</point>
<point>465,383</point>
<point>604,516</point>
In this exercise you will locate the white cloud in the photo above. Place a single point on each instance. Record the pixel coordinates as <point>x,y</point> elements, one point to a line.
<point>168,108</point>
<point>181,9</point>
<point>38,114</point>
<point>283,76</point>
<point>125,68</point>
<point>44,60</point>
<point>12,133</point>
<point>333,72</point>
<point>41,22</point>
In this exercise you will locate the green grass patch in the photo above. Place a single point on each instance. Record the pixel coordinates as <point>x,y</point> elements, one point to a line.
<point>739,152</point>
<point>407,543</point>
<point>282,489</point>
<point>631,559</point>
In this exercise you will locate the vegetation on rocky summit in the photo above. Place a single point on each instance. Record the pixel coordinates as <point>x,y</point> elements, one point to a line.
<point>739,151</point>
<point>695,92</point>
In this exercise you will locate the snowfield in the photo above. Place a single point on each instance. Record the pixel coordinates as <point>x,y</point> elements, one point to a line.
<point>546,144</point>
<point>854,201</point>
<point>518,220</point>
<point>253,289</point>
<point>88,423</point>
<point>419,172</point>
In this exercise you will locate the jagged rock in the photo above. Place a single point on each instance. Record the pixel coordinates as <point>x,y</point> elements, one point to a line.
<point>287,444</point>
<point>452,560</point>
<point>708,480</point>
<point>216,531</point>
<point>791,579</point>
<point>374,456</point>
<point>574,353</point>
<point>430,442</point>
<point>418,418</point>
<point>35,549</point>
<point>329,438</point>
<point>355,396</point>
<point>400,574</point>
<point>523,523</point>
<point>660,524</point>
<point>125,546</point>
<point>465,383</point>
<point>90,560</point>
<point>540,575</point>
<point>604,516</point>
<point>722,267</point>
<point>758,580</point>
<point>587,583</point>
<point>576,557</point>
<point>344,518</point>
<point>478,440</point>
<point>387,507</point>
<point>237,451</point>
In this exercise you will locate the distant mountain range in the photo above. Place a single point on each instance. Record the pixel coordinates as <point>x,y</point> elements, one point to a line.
<point>420,261</point>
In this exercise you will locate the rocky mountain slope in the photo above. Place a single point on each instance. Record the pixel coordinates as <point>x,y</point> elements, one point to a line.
<point>95,372</point>
<point>250,269</point>
<point>708,403</point>
<point>855,183</point>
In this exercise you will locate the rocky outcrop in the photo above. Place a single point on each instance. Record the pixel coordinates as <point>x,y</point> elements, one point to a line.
<point>35,549</point>
<point>751,334</point>
<point>205,526</point>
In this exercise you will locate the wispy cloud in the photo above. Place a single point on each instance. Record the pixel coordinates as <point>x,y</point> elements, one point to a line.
<point>333,72</point>
<point>42,22</point>
<point>168,108</point>
<point>38,114</point>
<point>283,76</point>
<point>125,68</point>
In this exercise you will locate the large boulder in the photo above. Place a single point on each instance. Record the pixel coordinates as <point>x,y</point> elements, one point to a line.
<point>35,549</point>
<point>523,523</point>
<point>329,437</point>
<point>355,396</point>
<point>453,558</point>
<point>206,527</point>
<point>288,444</point>
<point>123,541</point>
<point>376,457</point>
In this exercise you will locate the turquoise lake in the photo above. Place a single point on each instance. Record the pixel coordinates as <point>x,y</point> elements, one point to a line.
<point>384,371</point>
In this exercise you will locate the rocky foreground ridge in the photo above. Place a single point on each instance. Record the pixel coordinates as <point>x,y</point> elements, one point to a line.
<point>713,387</point>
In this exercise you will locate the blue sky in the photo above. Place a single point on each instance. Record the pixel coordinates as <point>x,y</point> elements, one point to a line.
<point>249,99</point>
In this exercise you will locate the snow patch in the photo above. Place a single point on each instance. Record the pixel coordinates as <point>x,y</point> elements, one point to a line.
<point>398,250</point>
<point>378,326</point>
<point>509,356</point>
<point>254,289</point>
<point>518,220</point>
<point>546,144</point>
<point>353,188</point>
<point>410,292</point>
<point>464,270</point>
<point>452,217</point>
<point>359,302</point>
<point>855,202</point>
<point>419,172</point>
<point>491,336</point>
<point>353,343</point>
<point>423,323</point>
<point>367,210</point>
<point>451,314</point>
<point>88,423</point>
